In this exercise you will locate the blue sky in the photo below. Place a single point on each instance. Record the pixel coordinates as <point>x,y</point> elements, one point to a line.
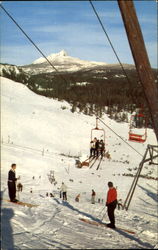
<point>74,27</point>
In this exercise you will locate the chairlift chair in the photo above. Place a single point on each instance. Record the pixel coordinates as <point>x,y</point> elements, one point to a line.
<point>102,136</point>
<point>96,129</point>
<point>137,122</point>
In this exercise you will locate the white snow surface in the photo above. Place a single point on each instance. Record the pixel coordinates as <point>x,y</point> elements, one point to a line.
<point>40,136</point>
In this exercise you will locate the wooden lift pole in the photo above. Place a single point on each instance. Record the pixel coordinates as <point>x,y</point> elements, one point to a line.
<point>140,56</point>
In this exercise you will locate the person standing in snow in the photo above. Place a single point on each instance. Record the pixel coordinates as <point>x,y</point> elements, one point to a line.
<point>111,203</point>
<point>97,148</point>
<point>12,183</point>
<point>119,204</point>
<point>92,148</point>
<point>77,198</point>
<point>102,147</point>
<point>19,187</point>
<point>93,197</point>
<point>63,189</point>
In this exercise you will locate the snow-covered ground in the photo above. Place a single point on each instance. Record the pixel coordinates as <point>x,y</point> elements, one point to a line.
<point>42,136</point>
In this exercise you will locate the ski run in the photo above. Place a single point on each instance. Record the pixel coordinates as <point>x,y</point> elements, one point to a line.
<point>44,138</point>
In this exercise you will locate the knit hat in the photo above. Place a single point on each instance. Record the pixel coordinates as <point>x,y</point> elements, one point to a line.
<point>110,184</point>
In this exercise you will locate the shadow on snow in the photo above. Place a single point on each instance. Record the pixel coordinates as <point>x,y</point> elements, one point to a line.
<point>133,238</point>
<point>7,241</point>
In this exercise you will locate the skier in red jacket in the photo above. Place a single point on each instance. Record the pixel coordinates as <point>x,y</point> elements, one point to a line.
<point>111,203</point>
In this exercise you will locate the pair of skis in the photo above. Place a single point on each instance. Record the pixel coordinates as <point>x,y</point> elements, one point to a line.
<point>101,158</point>
<point>98,223</point>
<point>95,159</point>
<point>23,203</point>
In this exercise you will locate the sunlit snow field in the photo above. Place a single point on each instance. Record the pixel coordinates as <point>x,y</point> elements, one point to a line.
<point>42,135</point>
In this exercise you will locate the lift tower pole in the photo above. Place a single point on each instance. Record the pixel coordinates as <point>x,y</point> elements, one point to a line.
<point>140,56</point>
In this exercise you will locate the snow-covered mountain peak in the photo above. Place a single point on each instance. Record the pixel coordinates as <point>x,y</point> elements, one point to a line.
<point>62,61</point>
<point>51,57</point>
<point>59,54</point>
<point>62,53</point>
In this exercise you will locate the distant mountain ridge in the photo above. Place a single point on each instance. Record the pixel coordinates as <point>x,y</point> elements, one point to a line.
<point>63,57</point>
<point>62,62</point>
<point>88,86</point>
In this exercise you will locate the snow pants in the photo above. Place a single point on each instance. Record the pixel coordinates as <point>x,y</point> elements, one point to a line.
<point>93,199</point>
<point>111,208</point>
<point>92,152</point>
<point>65,196</point>
<point>12,190</point>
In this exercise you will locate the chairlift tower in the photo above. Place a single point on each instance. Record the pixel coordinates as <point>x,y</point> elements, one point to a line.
<point>140,56</point>
<point>150,155</point>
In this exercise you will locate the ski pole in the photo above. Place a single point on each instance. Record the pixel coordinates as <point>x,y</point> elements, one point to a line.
<point>102,210</point>
<point>103,216</point>
<point>18,195</point>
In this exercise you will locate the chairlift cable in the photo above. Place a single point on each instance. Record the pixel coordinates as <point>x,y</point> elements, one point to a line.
<point>129,81</point>
<point>32,41</point>
<point>120,137</point>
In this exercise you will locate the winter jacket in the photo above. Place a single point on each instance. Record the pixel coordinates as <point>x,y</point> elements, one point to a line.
<point>111,195</point>
<point>63,188</point>
<point>11,176</point>
<point>102,145</point>
<point>93,193</point>
<point>97,144</point>
<point>92,144</point>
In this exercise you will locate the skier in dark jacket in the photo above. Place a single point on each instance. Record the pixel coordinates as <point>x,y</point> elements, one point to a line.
<point>102,147</point>
<point>97,148</point>
<point>92,148</point>
<point>93,196</point>
<point>111,203</point>
<point>12,183</point>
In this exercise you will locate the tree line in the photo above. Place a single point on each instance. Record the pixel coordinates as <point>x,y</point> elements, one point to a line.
<point>90,92</point>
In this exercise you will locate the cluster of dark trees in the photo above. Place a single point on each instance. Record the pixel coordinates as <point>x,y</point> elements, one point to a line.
<point>91,92</point>
<point>11,73</point>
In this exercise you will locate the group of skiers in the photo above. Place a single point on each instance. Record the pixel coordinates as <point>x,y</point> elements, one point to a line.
<point>92,197</point>
<point>97,147</point>
<point>111,201</point>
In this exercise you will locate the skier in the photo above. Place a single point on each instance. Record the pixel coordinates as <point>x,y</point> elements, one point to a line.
<point>77,198</point>
<point>93,197</point>
<point>111,203</point>
<point>63,189</point>
<point>102,147</point>
<point>12,183</point>
<point>97,148</point>
<point>92,148</point>
<point>19,187</point>
<point>119,204</point>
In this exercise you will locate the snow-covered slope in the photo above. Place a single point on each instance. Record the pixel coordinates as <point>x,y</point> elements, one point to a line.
<point>41,135</point>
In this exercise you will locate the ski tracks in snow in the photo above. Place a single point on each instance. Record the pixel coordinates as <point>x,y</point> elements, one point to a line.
<point>32,227</point>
